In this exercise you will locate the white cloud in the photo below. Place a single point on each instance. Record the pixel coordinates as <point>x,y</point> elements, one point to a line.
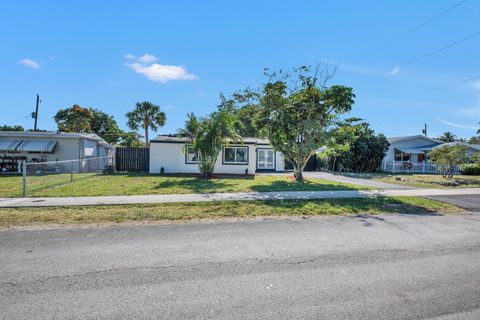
<point>129,56</point>
<point>476,86</point>
<point>475,111</point>
<point>159,72</point>
<point>29,63</point>
<point>457,125</point>
<point>395,71</point>
<point>147,58</point>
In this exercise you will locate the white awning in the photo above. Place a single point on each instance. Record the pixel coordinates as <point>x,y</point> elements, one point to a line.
<point>410,150</point>
<point>37,146</point>
<point>9,145</point>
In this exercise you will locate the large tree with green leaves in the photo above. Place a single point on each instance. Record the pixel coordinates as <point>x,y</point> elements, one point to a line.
<point>447,157</point>
<point>208,135</point>
<point>88,120</point>
<point>74,119</point>
<point>447,136</point>
<point>296,109</point>
<point>146,115</point>
<point>365,151</point>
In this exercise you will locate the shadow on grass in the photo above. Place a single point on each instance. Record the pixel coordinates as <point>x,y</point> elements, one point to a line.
<point>52,181</point>
<point>196,185</point>
<point>307,185</point>
<point>361,208</point>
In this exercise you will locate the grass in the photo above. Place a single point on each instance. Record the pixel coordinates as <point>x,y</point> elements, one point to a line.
<point>139,184</point>
<point>431,181</point>
<point>11,217</point>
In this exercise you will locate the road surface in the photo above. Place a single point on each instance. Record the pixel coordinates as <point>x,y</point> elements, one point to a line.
<point>372,267</point>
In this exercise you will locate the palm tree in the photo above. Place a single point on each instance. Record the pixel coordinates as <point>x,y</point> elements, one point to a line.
<point>207,136</point>
<point>447,137</point>
<point>147,116</point>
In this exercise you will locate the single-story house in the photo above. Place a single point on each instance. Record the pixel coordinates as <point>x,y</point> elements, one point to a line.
<point>17,147</point>
<point>410,153</point>
<point>175,155</point>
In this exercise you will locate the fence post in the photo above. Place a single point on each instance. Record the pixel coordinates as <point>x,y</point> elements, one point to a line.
<point>71,173</point>
<point>24,179</point>
<point>423,167</point>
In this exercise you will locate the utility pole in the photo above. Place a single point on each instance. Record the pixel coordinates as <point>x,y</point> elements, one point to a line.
<point>35,114</point>
<point>424,131</point>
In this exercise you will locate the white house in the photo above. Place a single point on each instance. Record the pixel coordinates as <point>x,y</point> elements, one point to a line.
<point>175,155</point>
<point>410,153</point>
<point>17,147</point>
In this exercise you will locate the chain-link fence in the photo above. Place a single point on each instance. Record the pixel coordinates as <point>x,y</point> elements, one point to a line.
<point>38,177</point>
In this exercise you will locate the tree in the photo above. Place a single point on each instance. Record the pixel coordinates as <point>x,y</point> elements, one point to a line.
<point>131,139</point>
<point>88,120</point>
<point>74,119</point>
<point>297,108</point>
<point>474,140</point>
<point>11,128</point>
<point>247,111</point>
<point>147,116</point>
<point>105,126</point>
<point>447,137</point>
<point>366,149</point>
<point>208,135</point>
<point>447,157</point>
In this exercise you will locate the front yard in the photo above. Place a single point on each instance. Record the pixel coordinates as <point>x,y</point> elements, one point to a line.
<point>12,217</point>
<point>431,181</point>
<point>141,184</point>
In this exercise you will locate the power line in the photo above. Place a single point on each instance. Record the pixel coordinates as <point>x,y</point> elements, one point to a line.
<point>442,48</point>
<point>423,24</point>
<point>451,84</point>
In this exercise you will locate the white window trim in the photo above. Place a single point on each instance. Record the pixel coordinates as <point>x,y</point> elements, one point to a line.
<point>186,155</point>
<point>235,162</point>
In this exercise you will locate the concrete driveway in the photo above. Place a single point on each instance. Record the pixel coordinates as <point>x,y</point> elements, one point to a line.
<point>364,267</point>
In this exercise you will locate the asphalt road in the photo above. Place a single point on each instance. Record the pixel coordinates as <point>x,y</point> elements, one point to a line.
<point>468,202</point>
<point>379,267</point>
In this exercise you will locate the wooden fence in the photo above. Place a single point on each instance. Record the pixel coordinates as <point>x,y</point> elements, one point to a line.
<point>132,159</point>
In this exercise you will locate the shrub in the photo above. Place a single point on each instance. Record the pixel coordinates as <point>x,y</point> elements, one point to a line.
<point>472,169</point>
<point>109,170</point>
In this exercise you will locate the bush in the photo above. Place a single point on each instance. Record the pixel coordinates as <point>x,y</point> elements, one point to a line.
<point>109,170</point>
<point>472,169</point>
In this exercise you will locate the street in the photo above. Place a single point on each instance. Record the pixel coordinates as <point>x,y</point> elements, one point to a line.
<point>362,267</point>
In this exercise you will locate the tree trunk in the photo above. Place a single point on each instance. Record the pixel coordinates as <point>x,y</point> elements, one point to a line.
<point>146,137</point>
<point>298,172</point>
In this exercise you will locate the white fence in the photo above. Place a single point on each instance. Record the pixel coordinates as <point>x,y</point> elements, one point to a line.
<point>409,167</point>
<point>39,177</point>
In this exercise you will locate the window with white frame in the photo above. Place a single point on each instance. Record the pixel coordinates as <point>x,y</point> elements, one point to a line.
<point>190,154</point>
<point>235,155</point>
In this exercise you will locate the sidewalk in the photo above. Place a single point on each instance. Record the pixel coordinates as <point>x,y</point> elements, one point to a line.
<point>245,196</point>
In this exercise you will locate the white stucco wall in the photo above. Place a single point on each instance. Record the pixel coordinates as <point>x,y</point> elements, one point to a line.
<point>171,156</point>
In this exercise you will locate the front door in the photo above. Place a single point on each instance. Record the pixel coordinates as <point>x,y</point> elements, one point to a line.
<point>265,159</point>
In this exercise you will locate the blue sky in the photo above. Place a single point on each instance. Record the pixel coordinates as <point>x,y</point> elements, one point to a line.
<point>181,54</point>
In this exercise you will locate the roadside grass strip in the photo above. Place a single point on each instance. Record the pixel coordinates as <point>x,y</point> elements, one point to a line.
<point>81,215</point>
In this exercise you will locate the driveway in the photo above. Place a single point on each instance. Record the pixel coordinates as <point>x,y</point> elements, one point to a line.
<point>468,202</point>
<point>372,267</point>
<point>358,181</point>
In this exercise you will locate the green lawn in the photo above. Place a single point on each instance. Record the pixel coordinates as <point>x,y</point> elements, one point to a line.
<point>214,210</point>
<point>431,181</point>
<point>140,184</point>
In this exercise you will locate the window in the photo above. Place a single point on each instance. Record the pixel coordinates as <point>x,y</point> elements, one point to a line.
<point>400,156</point>
<point>235,155</point>
<point>190,155</point>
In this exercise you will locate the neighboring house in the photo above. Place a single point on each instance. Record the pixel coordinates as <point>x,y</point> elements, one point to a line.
<point>175,155</point>
<point>471,148</point>
<point>410,153</point>
<point>17,147</point>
